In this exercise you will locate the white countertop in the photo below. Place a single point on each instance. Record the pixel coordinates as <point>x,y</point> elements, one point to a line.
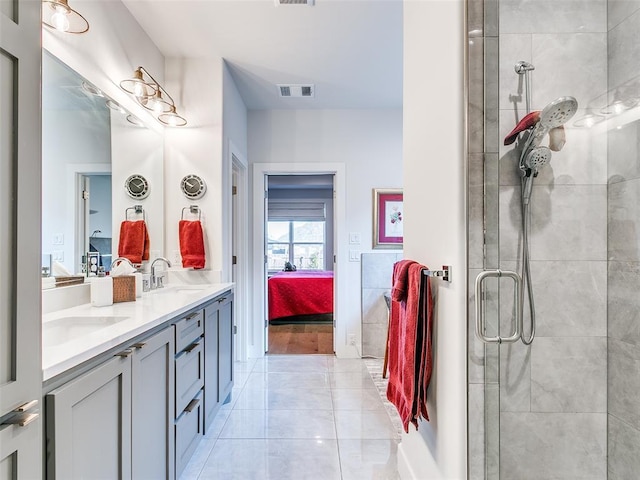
<point>75,335</point>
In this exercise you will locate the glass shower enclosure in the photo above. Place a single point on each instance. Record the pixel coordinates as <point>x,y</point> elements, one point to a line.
<point>567,406</point>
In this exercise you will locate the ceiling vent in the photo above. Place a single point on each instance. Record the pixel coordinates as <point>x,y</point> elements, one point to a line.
<point>296,91</point>
<point>295,2</point>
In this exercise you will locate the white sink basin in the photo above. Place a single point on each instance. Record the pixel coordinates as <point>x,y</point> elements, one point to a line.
<point>180,289</point>
<point>62,330</point>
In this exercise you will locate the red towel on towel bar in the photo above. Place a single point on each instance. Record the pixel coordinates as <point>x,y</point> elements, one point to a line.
<point>134,241</point>
<point>410,356</point>
<point>191,244</point>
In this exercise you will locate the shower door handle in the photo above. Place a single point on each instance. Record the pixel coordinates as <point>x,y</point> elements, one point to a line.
<point>480,320</point>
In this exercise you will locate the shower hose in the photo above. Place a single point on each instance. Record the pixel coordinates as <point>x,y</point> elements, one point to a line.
<point>526,268</point>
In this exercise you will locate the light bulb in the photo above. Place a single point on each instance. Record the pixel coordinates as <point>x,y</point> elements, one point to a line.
<point>59,19</point>
<point>156,106</point>
<point>138,90</point>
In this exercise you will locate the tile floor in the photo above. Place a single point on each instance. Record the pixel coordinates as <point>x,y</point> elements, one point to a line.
<point>301,417</point>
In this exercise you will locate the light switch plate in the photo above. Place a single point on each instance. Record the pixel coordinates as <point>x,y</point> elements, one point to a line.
<point>354,255</point>
<point>354,238</point>
<point>58,255</point>
<point>58,239</point>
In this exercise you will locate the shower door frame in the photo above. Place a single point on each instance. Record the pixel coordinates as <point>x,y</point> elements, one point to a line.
<point>483,247</point>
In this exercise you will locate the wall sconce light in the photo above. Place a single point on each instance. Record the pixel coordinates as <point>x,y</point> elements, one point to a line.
<point>149,93</point>
<point>57,14</point>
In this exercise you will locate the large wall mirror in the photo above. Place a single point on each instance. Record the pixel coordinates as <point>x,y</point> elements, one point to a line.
<point>90,146</point>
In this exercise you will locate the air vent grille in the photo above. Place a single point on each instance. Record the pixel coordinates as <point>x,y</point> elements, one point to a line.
<point>296,91</point>
<point>285,91</point>
<point>295,2</point>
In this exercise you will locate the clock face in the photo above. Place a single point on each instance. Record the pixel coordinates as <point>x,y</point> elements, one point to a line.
<point>193,186</point>
<point>137,186</point>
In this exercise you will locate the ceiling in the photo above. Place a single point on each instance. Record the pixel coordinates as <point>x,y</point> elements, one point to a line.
<point>351,50</point>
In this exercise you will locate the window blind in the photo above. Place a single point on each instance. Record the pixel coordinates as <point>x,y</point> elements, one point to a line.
<point>283,211</point>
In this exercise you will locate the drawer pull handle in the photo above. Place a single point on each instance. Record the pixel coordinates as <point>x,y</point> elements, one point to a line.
<point>191,347</point>
<point>222,299</point>
<point>22,420</point>
<point>124,353</point>
<point>138,345</point>
<point>26,406</point>
<point>192,404</point>
<point>192,316</point>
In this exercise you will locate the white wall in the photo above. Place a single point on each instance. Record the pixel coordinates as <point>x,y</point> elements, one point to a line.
<point>435,232</point>
<point>195,149</point>
<point>234,131</point>
<point>369,144</point>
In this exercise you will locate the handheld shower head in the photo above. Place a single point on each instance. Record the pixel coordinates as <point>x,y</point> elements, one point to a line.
<point>558,112</point>
<point>537,158</point>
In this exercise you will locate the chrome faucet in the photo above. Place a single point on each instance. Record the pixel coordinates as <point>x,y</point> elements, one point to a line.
<point>156,282</point>
<point>121,259</point>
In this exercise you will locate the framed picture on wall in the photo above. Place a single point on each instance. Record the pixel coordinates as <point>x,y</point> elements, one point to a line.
<point>388,218</point>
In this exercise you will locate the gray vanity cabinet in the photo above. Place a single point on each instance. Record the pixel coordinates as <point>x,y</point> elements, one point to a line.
<point>218,370</point>
<point>115,420</point>
<point>89,424</point>
<point>189,374</point>
<point>152,408</point>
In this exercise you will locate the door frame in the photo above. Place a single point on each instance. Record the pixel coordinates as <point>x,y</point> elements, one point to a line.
<point>75,172</point>
<point>257,337</point>
<point>238,232</point>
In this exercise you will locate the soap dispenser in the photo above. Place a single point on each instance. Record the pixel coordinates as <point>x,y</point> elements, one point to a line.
<point>101,290</point>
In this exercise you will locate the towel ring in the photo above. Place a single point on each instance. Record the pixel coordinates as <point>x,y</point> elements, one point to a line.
<point>194,209</point>
<point>137,211</point>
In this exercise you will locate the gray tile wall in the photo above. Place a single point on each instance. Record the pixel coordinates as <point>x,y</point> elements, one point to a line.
<point>623,215</point>
<point>553,394</point>
<point>377,271</point>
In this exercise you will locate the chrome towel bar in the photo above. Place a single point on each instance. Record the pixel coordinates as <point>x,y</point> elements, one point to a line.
<point>445,273</point>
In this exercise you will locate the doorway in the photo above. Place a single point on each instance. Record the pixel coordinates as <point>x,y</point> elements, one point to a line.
<point>258,338</point>
<point>299,255</point>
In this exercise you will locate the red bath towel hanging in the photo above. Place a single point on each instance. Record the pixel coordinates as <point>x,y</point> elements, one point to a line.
<point>410,355</point>
<point>191,244</point>
<point>134,241</point>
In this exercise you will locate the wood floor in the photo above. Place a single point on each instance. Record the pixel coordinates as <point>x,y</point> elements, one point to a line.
<point>304,338</point>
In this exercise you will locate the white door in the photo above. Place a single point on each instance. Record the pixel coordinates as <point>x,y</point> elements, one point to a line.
<point>20,250</point>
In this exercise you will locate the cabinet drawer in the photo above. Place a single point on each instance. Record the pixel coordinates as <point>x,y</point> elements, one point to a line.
<point>188,329</point>
<point>189,431</point>
<point>189,374</point>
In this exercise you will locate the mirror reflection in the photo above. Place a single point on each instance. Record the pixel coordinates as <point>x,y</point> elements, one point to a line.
<point>88,143</point>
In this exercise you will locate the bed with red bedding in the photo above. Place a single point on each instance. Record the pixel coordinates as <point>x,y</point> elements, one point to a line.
<point>301,295</point>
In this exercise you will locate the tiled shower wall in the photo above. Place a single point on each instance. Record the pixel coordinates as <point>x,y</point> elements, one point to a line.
<point>552,402</point>
<point>553,395</point>
<point>377,270</point>
<point>623,245</point>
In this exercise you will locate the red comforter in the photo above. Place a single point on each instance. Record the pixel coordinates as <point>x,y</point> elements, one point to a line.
<point>300,293</point>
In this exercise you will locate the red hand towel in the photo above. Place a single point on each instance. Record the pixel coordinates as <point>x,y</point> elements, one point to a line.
<point>191,243</point>
<point>410,342</point>
<point>134,241</point>
<point>528,121</point>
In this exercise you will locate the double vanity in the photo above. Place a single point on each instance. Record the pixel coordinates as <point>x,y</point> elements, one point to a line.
<point>130,389</point>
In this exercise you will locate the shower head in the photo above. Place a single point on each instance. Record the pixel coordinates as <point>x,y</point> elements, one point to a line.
<point>558,112</point>
<point>535,159</point>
